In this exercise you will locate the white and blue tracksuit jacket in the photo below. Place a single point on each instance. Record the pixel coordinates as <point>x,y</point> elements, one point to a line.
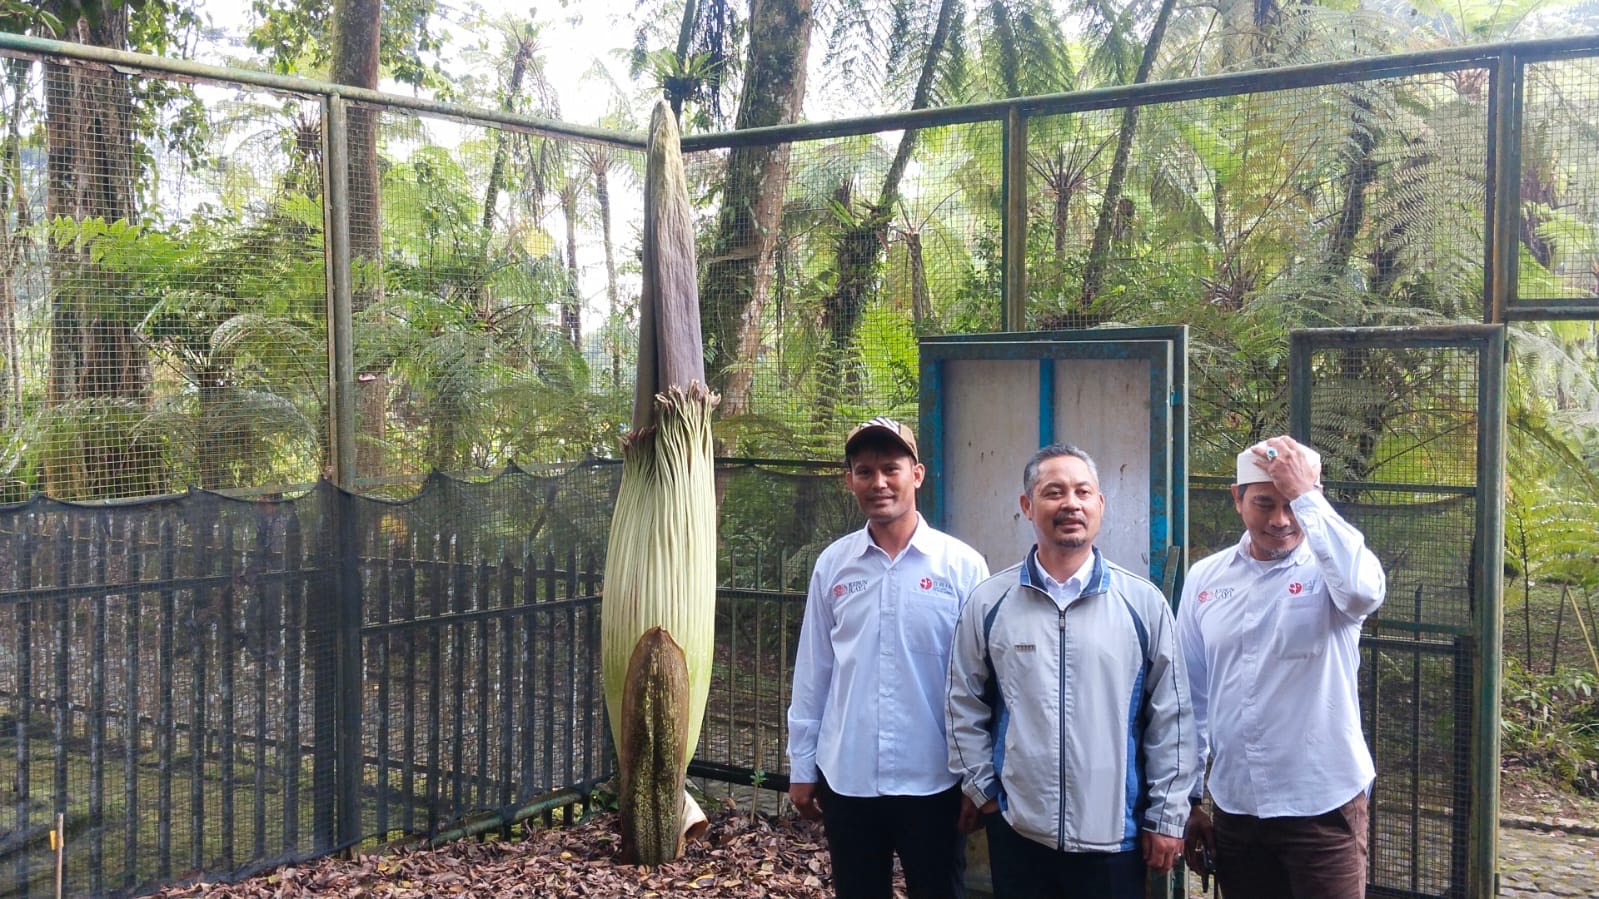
<point>1076,718</point>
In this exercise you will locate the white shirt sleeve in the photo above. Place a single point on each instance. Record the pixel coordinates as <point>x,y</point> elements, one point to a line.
<point>969,711</point>
<point>813,675</point>
<point>1354,577</point>
<point>1192,645</point>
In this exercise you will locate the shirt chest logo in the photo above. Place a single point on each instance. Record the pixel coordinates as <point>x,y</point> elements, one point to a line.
<point>848,588</point>
<point>1296,588</point>
<point>1222,593</point>
<point>936,585</point>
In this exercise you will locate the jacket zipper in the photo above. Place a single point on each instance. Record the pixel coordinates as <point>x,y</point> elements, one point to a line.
<point>1060,825</point>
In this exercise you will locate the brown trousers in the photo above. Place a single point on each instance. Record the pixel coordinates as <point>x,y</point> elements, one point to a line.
<point>1316,857</point>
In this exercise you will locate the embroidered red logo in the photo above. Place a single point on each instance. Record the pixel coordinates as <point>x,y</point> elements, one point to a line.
<point>1296,588</point>
<point>1204,596</point>
<point>838,590</point>
<point>927,583</point>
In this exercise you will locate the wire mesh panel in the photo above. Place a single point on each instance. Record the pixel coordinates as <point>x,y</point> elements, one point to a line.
<point>163,301</point>
<point>494,285</point>
<point>1398,420</point>
<point>166,677</point>
<point>773,525</point>
<point>813,296</point>
<point>1559,185</point>
<point>1248,215</point>
<point>480,634</point>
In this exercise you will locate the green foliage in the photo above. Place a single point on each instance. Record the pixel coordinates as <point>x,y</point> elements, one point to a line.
<point>21,17</point>
<point>1550,722</point>
<point>296,35</point>
<point>233,313</point>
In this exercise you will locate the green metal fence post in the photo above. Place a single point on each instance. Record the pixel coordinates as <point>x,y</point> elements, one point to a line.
<point>345,555</point>
<point>1504,186</point>
<point>341,329</point>
<point>1488,575</point>
<point>1014,234</point>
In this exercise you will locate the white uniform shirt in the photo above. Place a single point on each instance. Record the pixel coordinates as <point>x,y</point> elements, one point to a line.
<point>1272,650</point>
<point>872,663</point>
<point>1064,594</point>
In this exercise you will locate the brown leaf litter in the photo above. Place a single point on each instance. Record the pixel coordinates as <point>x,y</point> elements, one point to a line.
<point>741,856</point>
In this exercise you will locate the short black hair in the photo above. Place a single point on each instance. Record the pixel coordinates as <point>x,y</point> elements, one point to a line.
<point>1054,451</point>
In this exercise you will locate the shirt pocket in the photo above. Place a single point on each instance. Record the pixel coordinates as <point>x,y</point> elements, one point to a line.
<point>1301,629</point>
<point>929,625</point>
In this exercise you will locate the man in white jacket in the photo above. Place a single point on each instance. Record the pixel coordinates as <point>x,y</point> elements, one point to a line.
<point>1068,708</point>
<point>1270,630</point>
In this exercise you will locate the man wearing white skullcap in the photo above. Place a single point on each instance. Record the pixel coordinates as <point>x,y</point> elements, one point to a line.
<point>1270,633</point>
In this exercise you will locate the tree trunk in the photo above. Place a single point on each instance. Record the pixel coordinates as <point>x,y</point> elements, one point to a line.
<point>571,306</point>
<point>218,436</point>
<point>921,301</point>
<point>97,361</point>
<point>356,31</point>
<point>738,270</point>
<point>860,247</point>
<point>1061,218</point>
<point>502,137</point>
<point>676,91</point>
<point>600,167</point>
<point>1360,171</point>
<point>13,240</point>
<point>1111,208</point>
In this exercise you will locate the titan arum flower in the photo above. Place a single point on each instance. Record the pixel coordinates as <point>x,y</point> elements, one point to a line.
<point>658,610</point>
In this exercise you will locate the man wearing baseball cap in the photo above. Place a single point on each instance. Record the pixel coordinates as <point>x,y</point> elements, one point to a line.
<point>1270,632</point>
<point>866,740</point>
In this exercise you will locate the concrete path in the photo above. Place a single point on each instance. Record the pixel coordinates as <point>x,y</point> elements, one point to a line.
<point>1549,864</point>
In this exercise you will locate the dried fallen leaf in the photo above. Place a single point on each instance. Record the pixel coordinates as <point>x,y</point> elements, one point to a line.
<point>743,857</point>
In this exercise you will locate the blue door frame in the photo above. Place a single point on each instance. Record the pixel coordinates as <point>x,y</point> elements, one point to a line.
<point>1163,348</point>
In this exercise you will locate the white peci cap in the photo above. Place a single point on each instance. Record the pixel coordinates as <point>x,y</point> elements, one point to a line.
<point>1250,473</point>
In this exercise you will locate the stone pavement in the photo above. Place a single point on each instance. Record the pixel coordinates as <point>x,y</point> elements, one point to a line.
<point>1549,864</point>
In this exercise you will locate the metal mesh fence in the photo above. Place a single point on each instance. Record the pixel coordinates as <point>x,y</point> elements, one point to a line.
<point>164,311</point>
<point>1248,215</point>
<point>164,319</point>
<point>165,678</point>
<point>812,313</point>
<point>176,678</point>
<point>1559,182</point>
<point>494,269</point>
<point>494,283</point>
<point>480,683</point>
<point>1398,430</point>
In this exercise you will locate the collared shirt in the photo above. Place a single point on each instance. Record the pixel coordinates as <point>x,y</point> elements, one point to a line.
<point>873,656</point>
<point>1064,593</point>
<point>1273,655</point>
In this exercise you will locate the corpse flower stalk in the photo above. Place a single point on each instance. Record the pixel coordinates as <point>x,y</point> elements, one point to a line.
<point>658,607</point>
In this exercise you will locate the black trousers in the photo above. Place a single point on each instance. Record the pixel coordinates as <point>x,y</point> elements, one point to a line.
<point>864,833</point>
<point>1024,869</point>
